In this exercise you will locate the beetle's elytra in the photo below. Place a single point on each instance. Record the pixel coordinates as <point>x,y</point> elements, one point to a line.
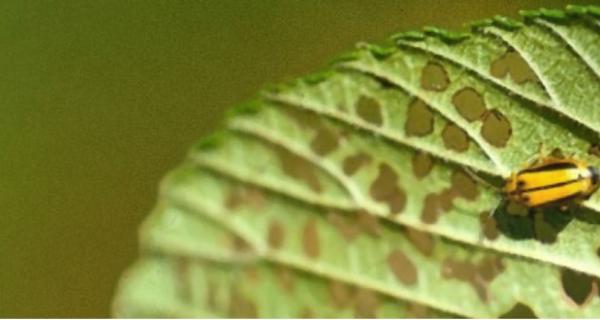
<point>552,182</point>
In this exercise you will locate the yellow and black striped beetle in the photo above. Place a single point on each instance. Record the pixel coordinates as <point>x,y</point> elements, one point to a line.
<point>552,182</point>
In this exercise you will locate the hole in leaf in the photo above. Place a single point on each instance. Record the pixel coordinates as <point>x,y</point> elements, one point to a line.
<point>512,63</point>
<point>479,276</point>
<point>423,241</point>
<point>366,303</point>
<point>419,119</point>
<point>446,197</point>
<point>422,163</point>
<point>298,168</point>
<point>310,239</point>
<point>355,162</point>
<point>464,186</point>
<point>489,226</point>
<point>489,267</point>
<point>549,223</point>
<point>305,120</point>
<point>431,209</point>
<point>455,138</point>
<point>579,288</point>
<point>496,128</point>
<point>434,77</point>
<point>404,270</point>
<point>469,104</point>
<point>369,110</point>
<point>276,234</point>
<point>385,189</point>
<point>325,141</point>
<point>519,311</point>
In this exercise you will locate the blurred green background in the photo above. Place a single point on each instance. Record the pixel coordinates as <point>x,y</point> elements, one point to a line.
<point>99,99</point>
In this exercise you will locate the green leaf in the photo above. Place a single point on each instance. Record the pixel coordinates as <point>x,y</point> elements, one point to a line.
<point>352,192</point>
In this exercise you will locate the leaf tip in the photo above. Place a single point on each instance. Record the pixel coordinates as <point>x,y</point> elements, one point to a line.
<point>379,52</point>
<point>318,77</point>
<point>479,24</point>
<point>408,36</point>
<point>211,141</point>
<point>446,35</point>
<point>507,23</point>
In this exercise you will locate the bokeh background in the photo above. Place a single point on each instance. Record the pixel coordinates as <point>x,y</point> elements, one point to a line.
<point>99,99</point>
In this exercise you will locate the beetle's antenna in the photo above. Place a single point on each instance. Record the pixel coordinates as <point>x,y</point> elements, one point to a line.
<point>479,179</point>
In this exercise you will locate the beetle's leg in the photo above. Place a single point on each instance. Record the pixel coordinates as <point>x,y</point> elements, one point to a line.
<point>557,153</point>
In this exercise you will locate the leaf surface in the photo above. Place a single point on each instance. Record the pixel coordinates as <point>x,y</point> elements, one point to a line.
<point>366,190</point>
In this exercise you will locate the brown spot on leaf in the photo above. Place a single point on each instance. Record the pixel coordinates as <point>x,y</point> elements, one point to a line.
<point>512,63</point>
<point>489,226</point>
<point>211,295</point>
<point>423,241</point>
<point>478,275</point>
<point>182,276</point>
<point>464,185</point>
<point>422,163</point>
<point>369,223</point>
<point>299,168</point>
<point>240,245</point>
<point>240,306</point>
<point>369,110</point>
<point>419,119</point>
<point>355,162</point>
<point>348,228</point>
<point>306,313</point>
<point>366,304</point>
<point>252,274</point>
<point>455,138</point>
<point>341,293</point>
<point>402,267</point>
<point>248,195</point>
<point>434,77</point>
<point>285,278</point>
<point>276,234</point>
<point>519,311</point>
<point>578,288</point>
<point>496,128</point>
<point>310,239</point>
<point>415,310</point>
<point>469,104</point>
<point>385,189</point>
<point>325,141</point>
